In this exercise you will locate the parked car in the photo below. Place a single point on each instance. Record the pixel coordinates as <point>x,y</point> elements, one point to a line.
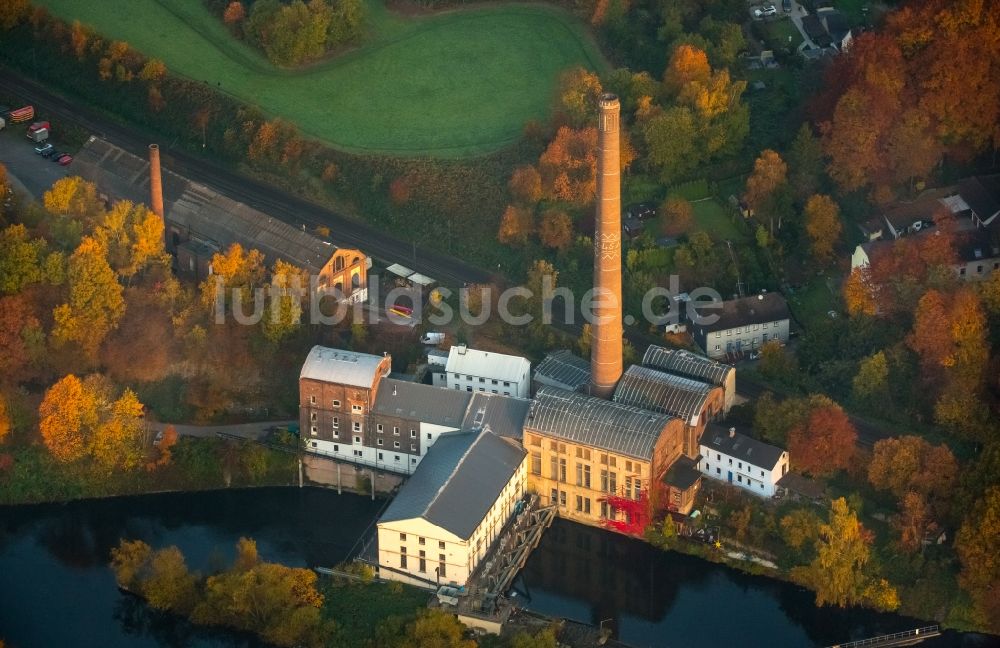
<point>42,149</point>
<point>786,5</point>
<point>757,13</point>
<point>640,211</point>
<point>65,159</point>
<point>770,10</point>
<point>56,154</point>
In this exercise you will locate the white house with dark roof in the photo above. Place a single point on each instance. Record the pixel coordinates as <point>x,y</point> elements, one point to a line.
<point>739,460</point>
<point>473,370</point>
<point>739,326</point>
<point>447,515</point>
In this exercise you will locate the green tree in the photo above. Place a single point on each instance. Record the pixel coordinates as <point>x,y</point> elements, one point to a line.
<point>283,313</point>
<point>672,145</point>
<point>578,92</point>
<point>21,259</point>
<point>347,22</point>
<point>95,302</point>
<point>805,161</point>
<point>871,384</point>
<point>976,544</point>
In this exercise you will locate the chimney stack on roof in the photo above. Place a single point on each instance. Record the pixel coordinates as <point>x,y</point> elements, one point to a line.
<point>606,330</point>
<point>732,432</point>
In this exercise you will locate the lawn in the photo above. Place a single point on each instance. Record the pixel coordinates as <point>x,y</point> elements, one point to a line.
<point>813,302</point>
<point>711,216</point>
<point>453,84</point>
<point>778,34</point>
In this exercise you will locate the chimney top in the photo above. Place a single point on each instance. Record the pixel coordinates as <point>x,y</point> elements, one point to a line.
<point>732,432</point>
<point>608,100</point>
<point>154,147</point>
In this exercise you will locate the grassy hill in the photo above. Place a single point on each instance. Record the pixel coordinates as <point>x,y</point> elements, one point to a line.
<point>453,84</point>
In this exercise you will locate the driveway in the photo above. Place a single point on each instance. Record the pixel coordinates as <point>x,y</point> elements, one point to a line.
<point>796,14</point>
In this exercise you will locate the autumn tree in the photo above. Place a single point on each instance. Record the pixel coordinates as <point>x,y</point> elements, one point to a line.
<point>5,420</point>
<point>823,226</point>
<point>556,229</point>
<point>169,585</point>
<point>526,184</point>
<point>687,65</point>
<point>672,143</point>
<point>431,629</point>
<point>12,12</point>
<point>568,166</point>
<point>676,216</point>
<point>234,13</point>
<point>119,440</point>
<point>95,303</point>
<point>824,443</point>
<point>841,574</point>
<point>67,418</point>
<point>800,528</point>
<point>860,296</point>
<point>283,313</point>
<point>237,272</point>
<point>516,225</point>
<point>22,339</point>
<point>74,197</point>
<point>128,561</point>
<point>577,93</point>
<point>770,173</point>
<point>976,544</point>
<point>871,383</point>
<point>133,237</point>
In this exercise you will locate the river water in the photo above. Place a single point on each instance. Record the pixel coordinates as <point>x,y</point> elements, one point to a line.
<point>56,589</point>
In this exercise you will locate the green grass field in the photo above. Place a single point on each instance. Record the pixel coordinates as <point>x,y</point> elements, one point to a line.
<point>453,84</point>
<point>711,216</point>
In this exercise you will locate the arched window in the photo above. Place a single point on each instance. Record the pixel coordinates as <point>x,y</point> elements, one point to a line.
<point>355,280</point>
<point>355,260</point>
<point>338,265</point>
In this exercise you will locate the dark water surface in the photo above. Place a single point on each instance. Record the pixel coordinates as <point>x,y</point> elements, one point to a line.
<point>57,591</point>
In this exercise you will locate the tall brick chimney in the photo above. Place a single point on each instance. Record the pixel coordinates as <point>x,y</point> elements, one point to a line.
<point>155,181</point>
<point>606,330</point>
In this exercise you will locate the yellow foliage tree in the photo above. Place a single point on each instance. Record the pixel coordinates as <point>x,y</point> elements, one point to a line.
<point>859,293</point>
<point>234,268</point>
<point>73,196</point>
<point>687,64</point>
<point>120,439</point>
<point>67,417</point>
<point>823,226</point>
<point>95,303</point>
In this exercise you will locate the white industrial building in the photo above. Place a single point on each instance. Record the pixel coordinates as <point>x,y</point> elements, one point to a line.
<point>735,458</point>
<point>473,370</point>
<point>446,517</point>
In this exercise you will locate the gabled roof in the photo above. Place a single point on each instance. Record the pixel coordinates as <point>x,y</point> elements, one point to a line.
<point>657,391</point>
<point>596,422</point>
<point>341,367</point>
<point>419,402</point>
<point>755,309</point>
<point>719,438</point>
<point>458,481</point>
<point>685,363</point>
<point>563,367</point>
<point>982,194</point>
<point>500,366</point>
<point>208,214</point>
<point>504,415</point>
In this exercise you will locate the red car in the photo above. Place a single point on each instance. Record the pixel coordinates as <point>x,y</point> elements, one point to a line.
<point>65,159</point>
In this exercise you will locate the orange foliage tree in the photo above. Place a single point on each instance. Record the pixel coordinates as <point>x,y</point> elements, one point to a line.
<point>516,225</point>
<point>824,443</point>
<point>687,64</point>
<point>556,229</point>
<point>823,226</point>
<point>769,173</point>
<point>676,216</point>
<point>526,185</point>
<point>568,166</point>
<point>67,417</point>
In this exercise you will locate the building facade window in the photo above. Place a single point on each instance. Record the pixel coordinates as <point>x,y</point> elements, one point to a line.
<point>336,403</point>
<point>402,557</point>
<point>536,463</point>
<point>357,409</point>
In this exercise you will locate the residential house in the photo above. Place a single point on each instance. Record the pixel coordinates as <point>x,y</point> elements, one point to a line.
<point>836,27</point>
<point>473,370</point>
<point>741,325</point>
<point>446,517</point>
<point>598,461</point>
<point>735,458</point>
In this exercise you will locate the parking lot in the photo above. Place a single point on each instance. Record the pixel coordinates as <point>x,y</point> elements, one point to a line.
<point>33,171</point>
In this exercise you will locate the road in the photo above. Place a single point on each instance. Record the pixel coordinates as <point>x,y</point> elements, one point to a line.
<point>288,207</point>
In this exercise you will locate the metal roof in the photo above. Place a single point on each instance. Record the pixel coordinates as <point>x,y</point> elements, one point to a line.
<point>685,363</point>
<point>473,362</point>
<point>564,368</point>
<point>727,441</point>
<point>458,481</point>
<point>206,213</point>
<point>419,402</point>
<point>504,415</point>
<point>596,422</point>
<point>662,392</point>
<point>341,367</point>
<point>683,474</point>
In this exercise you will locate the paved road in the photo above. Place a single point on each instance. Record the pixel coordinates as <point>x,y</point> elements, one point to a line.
<point>35,173</point>
<point>251,431</point>
<point>288,207</point>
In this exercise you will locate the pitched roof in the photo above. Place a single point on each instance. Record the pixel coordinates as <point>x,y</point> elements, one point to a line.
<point>720,438</point>
<point>504,415</point>
<point>682,474</point>
<point>755,309</point>
<point>596,422</point>
<point>657,391</point>
<point>685,363</point>
<point>473,362</point>
<point>208,214</point>
<point>425,403</point>
<point>341,367</point>
<point>982,194</point>
<point>458,481</point>
<point>565,368</point>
